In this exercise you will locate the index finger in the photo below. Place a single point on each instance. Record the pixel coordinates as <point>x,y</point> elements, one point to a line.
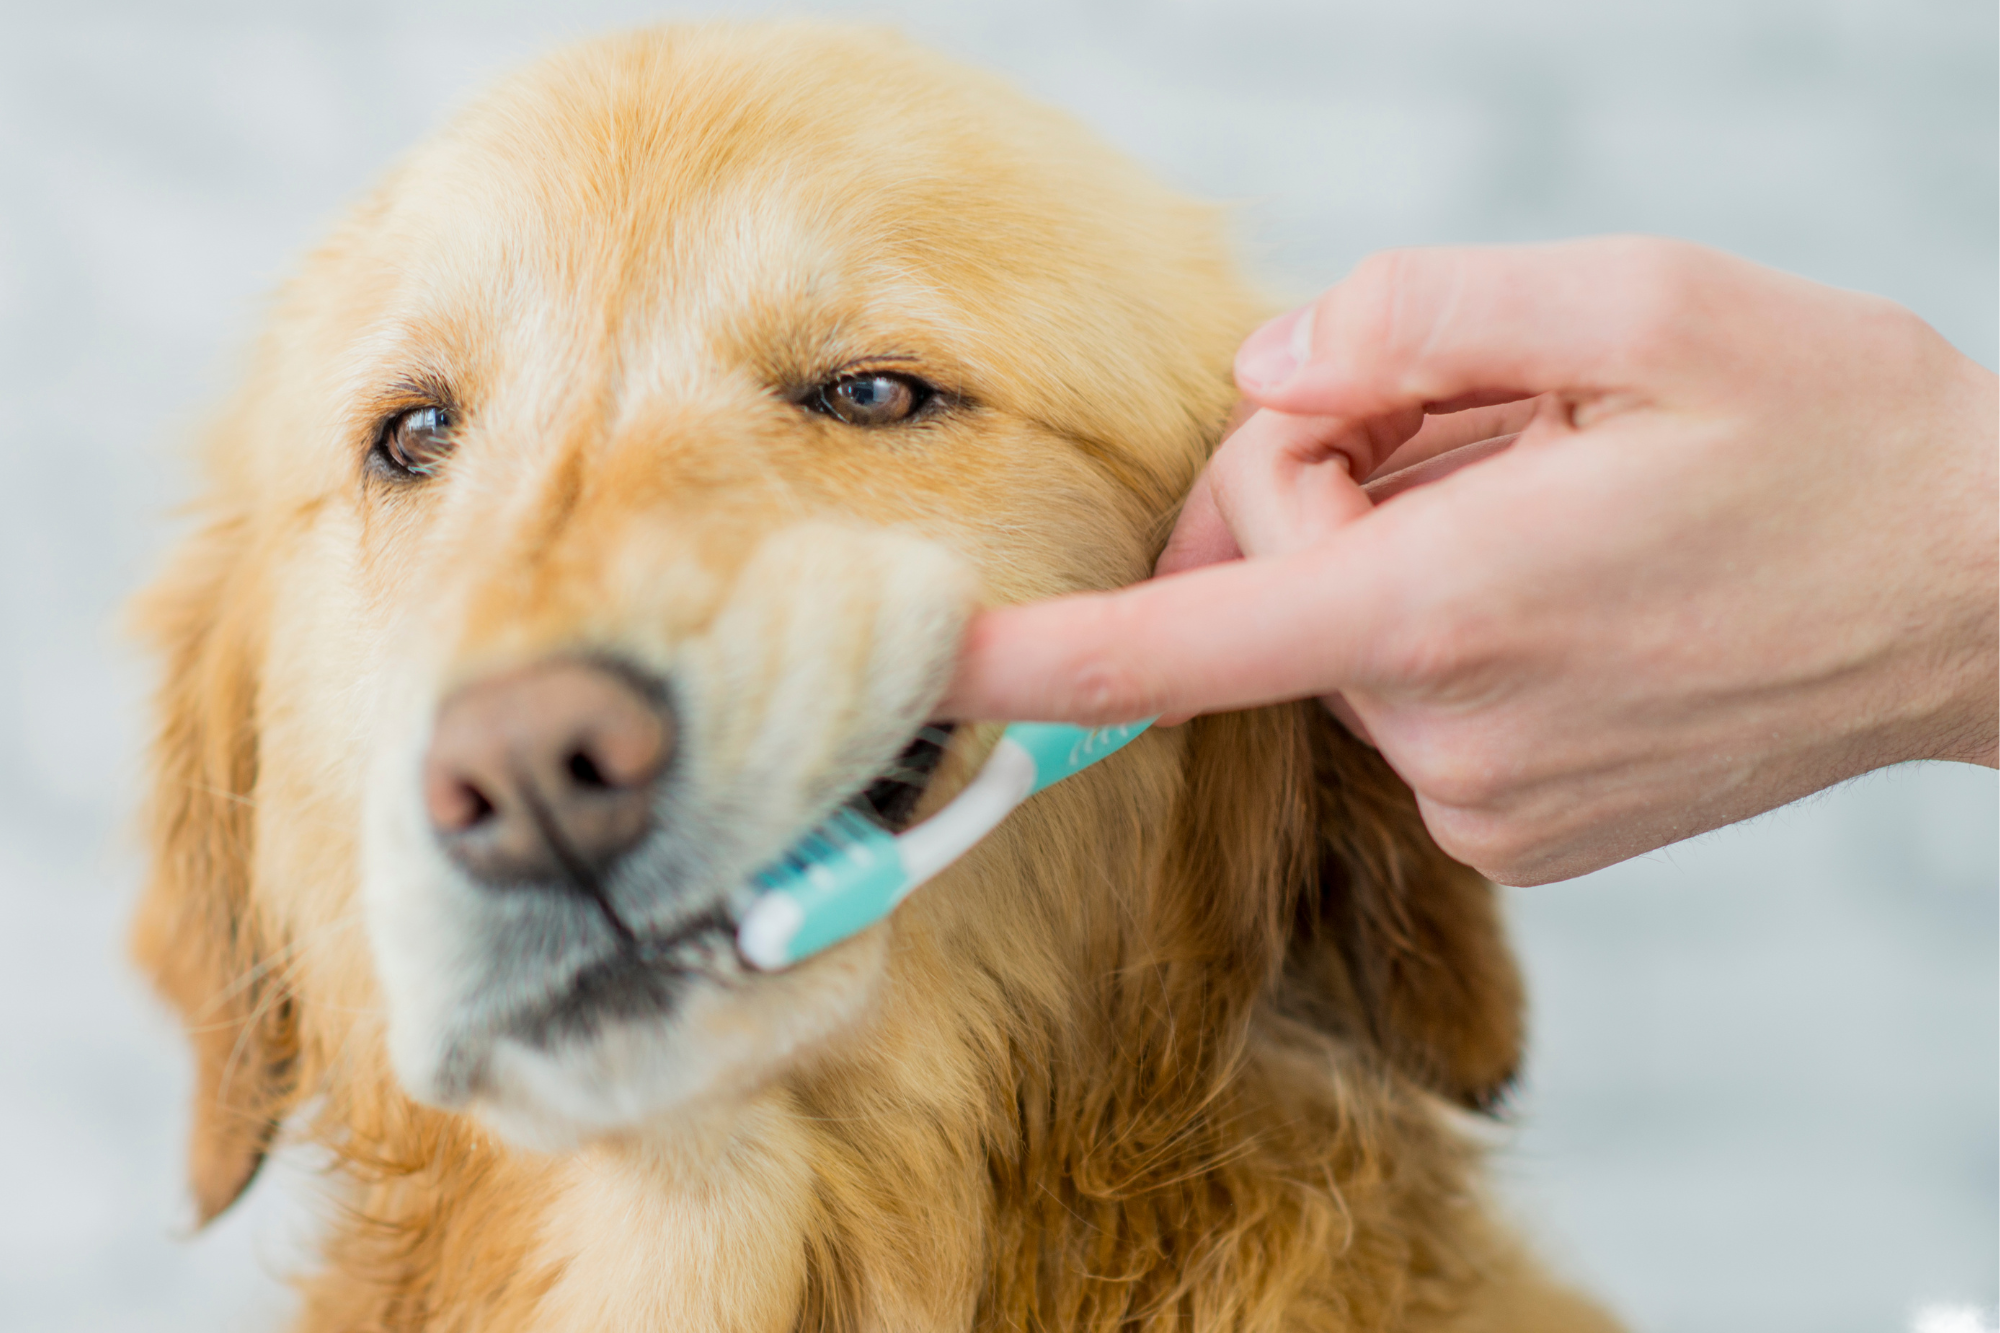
<point>1232,635</point>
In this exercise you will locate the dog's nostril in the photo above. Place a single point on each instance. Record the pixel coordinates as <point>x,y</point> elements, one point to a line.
<point>545,775</point>
<point>453,804</point>
<point>474,805</point>
<point>584,770</point>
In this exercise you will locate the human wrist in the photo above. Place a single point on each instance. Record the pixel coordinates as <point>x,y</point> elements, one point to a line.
<point>1962,650</point>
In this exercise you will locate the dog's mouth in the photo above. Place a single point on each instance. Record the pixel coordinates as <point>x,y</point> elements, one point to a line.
<point>648,973</point>
<point>891,799</point>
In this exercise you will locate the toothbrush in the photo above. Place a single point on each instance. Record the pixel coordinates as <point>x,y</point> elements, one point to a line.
<point>848,873</point>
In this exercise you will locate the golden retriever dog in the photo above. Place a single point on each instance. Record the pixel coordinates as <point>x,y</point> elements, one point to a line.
<point>601,511</point>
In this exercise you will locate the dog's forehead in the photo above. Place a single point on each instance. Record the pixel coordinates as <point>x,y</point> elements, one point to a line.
<point>683,186</point>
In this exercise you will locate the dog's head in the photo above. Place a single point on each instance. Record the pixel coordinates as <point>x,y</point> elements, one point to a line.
<point>602,512</point>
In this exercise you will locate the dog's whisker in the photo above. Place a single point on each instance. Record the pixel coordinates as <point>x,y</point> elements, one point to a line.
<point>283,956</point>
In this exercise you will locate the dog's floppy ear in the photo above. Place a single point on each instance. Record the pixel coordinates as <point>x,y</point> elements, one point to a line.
<point>196,933</point>
<point>1395,938</point>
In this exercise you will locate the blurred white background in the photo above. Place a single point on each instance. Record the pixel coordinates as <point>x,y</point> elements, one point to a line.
<point>1763,1089</point>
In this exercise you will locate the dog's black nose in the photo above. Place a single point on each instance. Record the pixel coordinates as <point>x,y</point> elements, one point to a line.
<point>545,775</point>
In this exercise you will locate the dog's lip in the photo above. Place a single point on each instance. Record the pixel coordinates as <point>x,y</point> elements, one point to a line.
<point>644,979</point>
<point>660,950</point>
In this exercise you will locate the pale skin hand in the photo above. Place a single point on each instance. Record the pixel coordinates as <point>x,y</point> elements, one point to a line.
<point>1744,546</point>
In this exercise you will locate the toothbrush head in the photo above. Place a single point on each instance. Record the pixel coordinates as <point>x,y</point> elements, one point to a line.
<point>847,874</point>
<point>839,879</point>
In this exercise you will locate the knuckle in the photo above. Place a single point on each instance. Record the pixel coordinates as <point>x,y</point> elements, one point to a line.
<point>1417,660</point>
<point>1450,761</point>
<point>1455,780</point>
<point>1234,455</point>
<point>1901,337</point>
<point>1493,847</point>
<point>1441,652</point>
<point>1106,684</point>
<point>1364,321</point>
<point>1394,308</point>
<point>1379,273</point>
<point>1656,285</point>
<point>1103,691</point>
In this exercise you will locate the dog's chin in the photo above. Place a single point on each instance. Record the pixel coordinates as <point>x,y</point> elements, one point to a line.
<point>631,1054</point>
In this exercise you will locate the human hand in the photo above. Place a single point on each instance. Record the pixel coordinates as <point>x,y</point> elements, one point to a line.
<point>1743,547</point>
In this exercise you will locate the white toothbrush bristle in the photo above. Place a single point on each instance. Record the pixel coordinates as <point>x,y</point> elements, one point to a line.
<point>765,937</point>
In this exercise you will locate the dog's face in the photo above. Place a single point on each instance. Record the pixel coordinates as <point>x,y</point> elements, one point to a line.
<point>601,512</point>
<point>611,496</point>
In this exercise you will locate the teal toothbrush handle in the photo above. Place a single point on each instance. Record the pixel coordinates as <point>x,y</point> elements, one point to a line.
<point>847,874</point>
<point>1059,749</point>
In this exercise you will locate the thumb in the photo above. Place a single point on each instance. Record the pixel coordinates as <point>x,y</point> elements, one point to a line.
<point>1457,327</point>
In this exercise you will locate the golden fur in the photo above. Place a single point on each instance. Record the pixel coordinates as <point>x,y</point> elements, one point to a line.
<point>1174,1049</point>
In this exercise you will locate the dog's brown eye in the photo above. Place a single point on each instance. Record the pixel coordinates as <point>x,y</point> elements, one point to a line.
<point>873,399</point>
<point>415,443</point>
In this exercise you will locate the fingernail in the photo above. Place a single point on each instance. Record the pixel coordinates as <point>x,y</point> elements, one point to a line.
<point>1272,354</point>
